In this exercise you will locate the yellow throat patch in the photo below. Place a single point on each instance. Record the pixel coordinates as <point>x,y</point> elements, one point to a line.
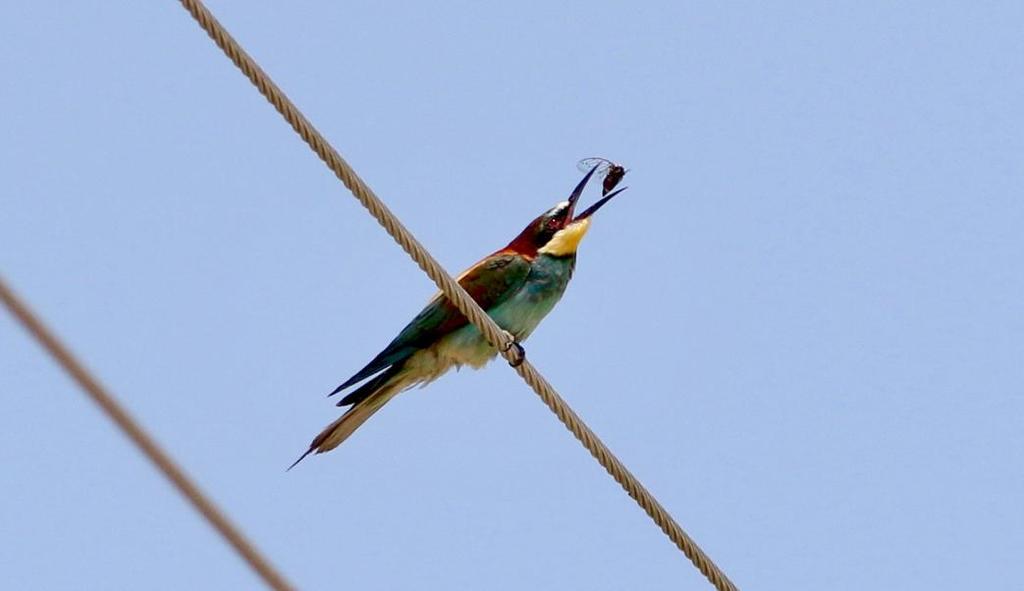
<point>567,240</point>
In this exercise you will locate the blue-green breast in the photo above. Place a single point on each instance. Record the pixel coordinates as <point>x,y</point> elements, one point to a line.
<point>522,312</point>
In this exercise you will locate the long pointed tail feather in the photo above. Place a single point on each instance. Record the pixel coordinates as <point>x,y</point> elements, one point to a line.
<point>374,395</point>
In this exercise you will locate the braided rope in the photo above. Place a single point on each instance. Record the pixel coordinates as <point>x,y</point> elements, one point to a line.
<point>490,330</point>
<point>142,440</point>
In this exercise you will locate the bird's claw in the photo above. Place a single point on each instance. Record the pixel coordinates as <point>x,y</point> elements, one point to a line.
<point>519,355</point>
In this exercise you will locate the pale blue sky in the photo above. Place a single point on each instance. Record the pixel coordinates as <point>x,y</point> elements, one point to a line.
<point>802,326</point>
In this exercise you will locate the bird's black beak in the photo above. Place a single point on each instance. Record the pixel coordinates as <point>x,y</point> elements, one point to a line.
<point>590,210</point>
<point>575,196</point>
<point>579,191</point>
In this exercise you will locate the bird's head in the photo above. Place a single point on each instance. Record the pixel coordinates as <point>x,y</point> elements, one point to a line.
<point>556,232</point>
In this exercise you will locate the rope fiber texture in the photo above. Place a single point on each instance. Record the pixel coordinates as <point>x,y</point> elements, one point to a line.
<point>142,440</point>
<point>491,331</point>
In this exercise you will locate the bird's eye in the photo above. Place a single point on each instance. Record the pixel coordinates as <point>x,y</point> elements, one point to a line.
<point>552,224</point>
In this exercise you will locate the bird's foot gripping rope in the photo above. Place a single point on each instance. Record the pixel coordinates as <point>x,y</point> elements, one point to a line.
<point>517,352</point>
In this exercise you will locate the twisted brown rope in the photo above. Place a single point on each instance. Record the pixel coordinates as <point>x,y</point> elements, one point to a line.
<point>490,330</point>
<point>142,440</point>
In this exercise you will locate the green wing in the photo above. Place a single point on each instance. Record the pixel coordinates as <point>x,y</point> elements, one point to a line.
<point>489,282</point>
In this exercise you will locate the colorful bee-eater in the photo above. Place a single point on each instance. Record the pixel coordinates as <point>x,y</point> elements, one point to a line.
<point>517,286</point>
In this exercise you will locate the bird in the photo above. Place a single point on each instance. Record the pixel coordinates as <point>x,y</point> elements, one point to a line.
<point>516,285</point>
